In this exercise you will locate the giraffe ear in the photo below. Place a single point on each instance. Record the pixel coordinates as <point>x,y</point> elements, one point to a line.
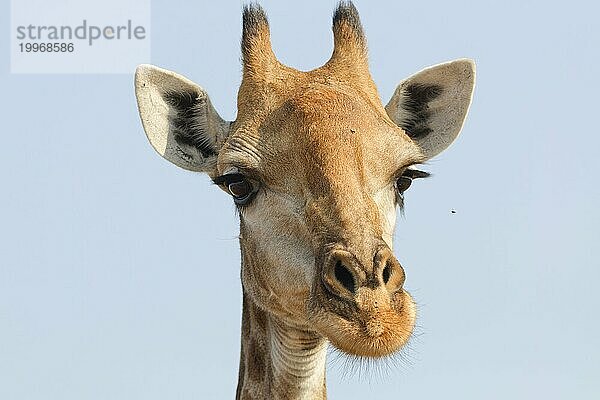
<point>180,122</point>
<point>431,106</point>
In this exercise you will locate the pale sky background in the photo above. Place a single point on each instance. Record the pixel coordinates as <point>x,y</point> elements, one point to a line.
<point>107,282</point>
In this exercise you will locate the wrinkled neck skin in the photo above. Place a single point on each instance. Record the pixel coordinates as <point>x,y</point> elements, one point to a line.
<point>277,360</point>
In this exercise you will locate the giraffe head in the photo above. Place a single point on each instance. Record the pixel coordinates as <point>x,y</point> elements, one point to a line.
<point>317,167</point>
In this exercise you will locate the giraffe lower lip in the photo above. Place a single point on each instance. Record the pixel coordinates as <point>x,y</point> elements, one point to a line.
<point>368,334</point>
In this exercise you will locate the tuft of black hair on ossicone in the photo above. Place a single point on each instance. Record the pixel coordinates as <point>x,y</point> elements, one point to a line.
<point>254,19</point>
<point>347,13</point>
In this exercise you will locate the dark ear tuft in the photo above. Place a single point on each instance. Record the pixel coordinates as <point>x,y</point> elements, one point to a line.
<point>431,105</point>
<point>180,122</point>
<point>347,13</point>
<point>415,102</point>
<point>188,120</point>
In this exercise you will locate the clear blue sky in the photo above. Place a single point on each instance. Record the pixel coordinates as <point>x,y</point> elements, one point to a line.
<point>107,282</point>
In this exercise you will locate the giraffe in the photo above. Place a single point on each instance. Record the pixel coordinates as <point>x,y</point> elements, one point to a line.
<point>317,168</point>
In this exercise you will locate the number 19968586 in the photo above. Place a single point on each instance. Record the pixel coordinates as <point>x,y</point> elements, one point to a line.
<point>46,47</point>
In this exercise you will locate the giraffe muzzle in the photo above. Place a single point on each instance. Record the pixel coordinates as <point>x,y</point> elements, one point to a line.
<point>344,275</point>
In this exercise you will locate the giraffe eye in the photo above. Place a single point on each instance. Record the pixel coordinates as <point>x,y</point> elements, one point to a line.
<point>402,184</point>
<point>240,190</point>
<point>238,186</point>
<point>405,180</point>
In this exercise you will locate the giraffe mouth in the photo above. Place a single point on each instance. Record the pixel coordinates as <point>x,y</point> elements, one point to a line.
<point>373,326</point>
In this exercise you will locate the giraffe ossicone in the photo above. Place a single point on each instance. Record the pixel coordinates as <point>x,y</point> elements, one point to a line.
<point>317,167</point>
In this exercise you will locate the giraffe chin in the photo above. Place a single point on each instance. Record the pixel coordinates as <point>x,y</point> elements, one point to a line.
<point>370,333</point>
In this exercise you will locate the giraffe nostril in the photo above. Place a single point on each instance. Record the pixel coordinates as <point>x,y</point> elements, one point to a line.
<point>386,274</point>
<point>344,276</point>
<point>391,273</point>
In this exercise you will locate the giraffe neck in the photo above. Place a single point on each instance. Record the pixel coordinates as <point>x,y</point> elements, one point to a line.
<point>278,361</point>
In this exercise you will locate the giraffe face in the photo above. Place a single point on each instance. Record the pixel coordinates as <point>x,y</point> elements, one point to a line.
<point>317,180</point>
<point>317,168</point>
